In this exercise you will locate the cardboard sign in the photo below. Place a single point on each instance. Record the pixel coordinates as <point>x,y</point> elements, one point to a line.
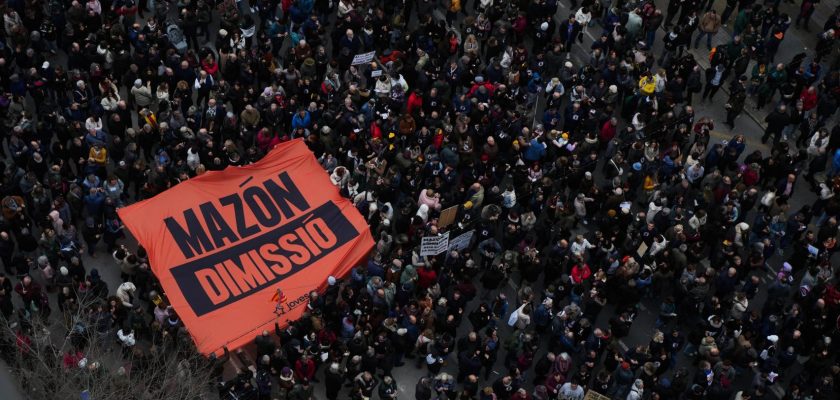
<point>434,245</point>
<point>240,249</point>
<point>447,216</point>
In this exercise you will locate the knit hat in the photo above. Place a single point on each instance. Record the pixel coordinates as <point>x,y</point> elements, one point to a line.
<point>286,374</point>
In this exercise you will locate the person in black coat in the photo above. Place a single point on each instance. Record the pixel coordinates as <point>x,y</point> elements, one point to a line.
<point>469,363</point>
<point>6,306</point>
<point>423,389</point>
<point>333,381</point>
<point>776,121</point>
<point>569,31</point>
<point>715,77</point>
<point>735,104</point>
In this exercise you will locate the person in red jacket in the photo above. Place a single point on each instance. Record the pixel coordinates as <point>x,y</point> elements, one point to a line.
<point>580,273</point>
<point>266,139</point>
<point>415,102</point>
<point>305,369</point>
<point>480,83</point>
<point>809,98</point>
<point>375,130</point>
<point>426,277</point>
<point>608,131</point>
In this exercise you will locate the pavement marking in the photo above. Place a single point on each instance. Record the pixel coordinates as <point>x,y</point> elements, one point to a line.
<point>623,346</point>
<point>777,390</point>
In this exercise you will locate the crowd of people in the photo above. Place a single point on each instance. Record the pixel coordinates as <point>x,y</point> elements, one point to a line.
<point>591,185</point>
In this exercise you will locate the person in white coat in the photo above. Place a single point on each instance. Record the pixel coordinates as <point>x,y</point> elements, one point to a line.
<point>583,16</point>
<point>637,392</point>
<point>126,294</point>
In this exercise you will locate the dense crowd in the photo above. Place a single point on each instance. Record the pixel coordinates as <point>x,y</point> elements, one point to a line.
<point>590,185</point>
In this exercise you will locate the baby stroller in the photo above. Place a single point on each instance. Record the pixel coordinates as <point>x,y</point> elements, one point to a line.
<point>176,37</point>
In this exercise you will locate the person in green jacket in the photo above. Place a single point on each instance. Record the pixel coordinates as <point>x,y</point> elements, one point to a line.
<point>759,75</point>
<point>777,77</point>
<point>734,47</point>
<point>741,21</point>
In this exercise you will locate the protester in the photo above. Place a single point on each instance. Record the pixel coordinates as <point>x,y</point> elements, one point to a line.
<point>590,187</point>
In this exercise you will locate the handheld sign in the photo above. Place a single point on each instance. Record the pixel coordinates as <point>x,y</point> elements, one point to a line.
<point>363,58</point>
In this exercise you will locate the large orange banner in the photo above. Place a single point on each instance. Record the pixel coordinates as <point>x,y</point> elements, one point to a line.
<point>240,249</point>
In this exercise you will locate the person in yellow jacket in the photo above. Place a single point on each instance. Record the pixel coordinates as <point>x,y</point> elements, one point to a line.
<point>647,84</point>
<point>98,160</point>
<point>452,9</point>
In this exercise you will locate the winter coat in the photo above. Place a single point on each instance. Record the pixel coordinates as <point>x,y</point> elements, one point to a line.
<point>125,293</point>
<point>710,23</point>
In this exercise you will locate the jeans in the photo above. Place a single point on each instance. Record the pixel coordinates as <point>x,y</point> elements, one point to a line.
<point>708,35</point>
<point>805,16</point>
<point>709,91</point>
<point>650,37</point>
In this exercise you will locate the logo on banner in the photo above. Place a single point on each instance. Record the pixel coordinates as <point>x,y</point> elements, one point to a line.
<point>279,298</point>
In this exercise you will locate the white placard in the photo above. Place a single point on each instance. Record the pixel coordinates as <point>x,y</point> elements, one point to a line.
<point>434,245</point>
<point>363,58</point>
<point>462,241</point>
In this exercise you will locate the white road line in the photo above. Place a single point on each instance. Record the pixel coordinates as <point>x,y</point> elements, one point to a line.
<point>777,390</point>
<point>623,346</point>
